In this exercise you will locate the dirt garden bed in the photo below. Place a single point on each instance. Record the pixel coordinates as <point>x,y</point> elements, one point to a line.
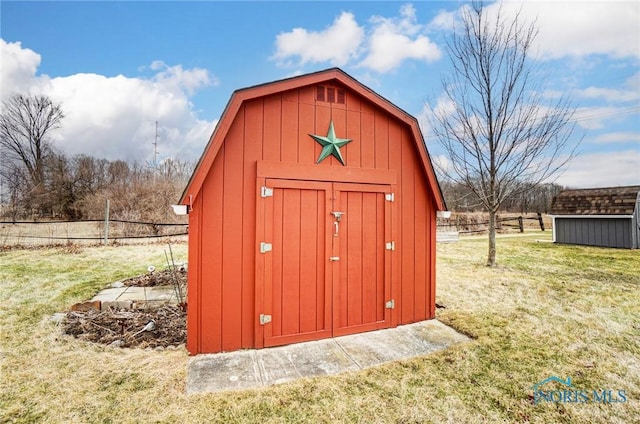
<point>150,328</point>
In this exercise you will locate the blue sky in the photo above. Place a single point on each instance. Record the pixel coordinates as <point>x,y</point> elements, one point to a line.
<point>117,67</point>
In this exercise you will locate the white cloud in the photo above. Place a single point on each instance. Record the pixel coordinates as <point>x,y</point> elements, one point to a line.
<point>17,68</point>
<point>603,170</point>
<point>442,165</point>
<point>443,107</point>
<point>387,43</point>
<point>444,20</point>
<point>608,94</point>
<point>114,117</point>
<point>180,79</point>
<point>295,73</point>
<point>628,93</point>
<point>566,29</point>
<point>337,44</point>
<point>581,28</point>
<point>394,40</point>
<point>618,137</point>
<point>600,117</point>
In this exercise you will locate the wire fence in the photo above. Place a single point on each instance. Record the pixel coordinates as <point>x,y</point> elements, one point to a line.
<point>117,231</point>
<point>42,233</point>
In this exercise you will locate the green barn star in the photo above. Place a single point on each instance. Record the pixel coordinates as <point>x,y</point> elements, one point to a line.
<point>330,144</point>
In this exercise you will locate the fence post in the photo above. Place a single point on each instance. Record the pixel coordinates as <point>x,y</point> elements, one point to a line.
<point>521,224</point>
<point>106,222</point>
<point>540,221</point>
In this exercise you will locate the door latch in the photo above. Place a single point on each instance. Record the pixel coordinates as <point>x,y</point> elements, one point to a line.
<point>338,216</point>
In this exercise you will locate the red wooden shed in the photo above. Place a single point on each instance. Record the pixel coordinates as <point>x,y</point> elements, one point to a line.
<point>312,214</point>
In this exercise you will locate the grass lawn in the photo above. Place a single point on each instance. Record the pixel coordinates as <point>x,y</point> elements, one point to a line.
<point>546,310</point>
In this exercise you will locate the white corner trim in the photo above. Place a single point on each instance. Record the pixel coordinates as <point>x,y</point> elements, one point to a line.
<point>180,209</point>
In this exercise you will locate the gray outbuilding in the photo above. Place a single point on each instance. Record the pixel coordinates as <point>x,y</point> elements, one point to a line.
<point>607,217</point>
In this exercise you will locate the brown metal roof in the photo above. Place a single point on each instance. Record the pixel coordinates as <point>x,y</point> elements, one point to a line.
<point>596,201</point>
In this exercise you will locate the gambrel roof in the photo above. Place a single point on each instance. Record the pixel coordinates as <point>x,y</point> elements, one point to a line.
<point>596,201</point>
<point>330,75</point>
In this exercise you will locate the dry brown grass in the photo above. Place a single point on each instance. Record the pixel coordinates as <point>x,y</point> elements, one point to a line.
<point>545,310</point>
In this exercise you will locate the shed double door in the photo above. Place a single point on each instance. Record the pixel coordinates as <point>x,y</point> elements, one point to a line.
<point>327,265</point>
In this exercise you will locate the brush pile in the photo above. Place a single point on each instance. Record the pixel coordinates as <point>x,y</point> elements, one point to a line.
<point>158,278</point>
<point>162,327</point>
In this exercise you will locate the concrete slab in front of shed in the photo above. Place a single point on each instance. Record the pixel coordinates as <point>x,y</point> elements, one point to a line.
<point>321,357</point>
<point>247,369</point>
<point>377,347</point>
<point>276,366</point>
<point>223,371</point>
<point>403,342</point>
<point>433,335</point>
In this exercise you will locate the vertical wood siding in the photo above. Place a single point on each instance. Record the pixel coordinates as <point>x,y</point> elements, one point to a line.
<point>359,303</point>
<point>297,285</point>
<point>222,245</point>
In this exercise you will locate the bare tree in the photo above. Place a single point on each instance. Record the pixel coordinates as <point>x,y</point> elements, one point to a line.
<point>13,178</point>
<point>25,125</point>
<point>500,135</point>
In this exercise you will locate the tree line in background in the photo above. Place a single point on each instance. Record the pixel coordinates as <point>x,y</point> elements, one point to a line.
<point>534,198</point>
<point>37,181</point>
<point>77,187</point>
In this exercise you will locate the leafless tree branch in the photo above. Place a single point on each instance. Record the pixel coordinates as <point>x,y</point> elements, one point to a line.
<point>501,138</point>
<point>25,125</point>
